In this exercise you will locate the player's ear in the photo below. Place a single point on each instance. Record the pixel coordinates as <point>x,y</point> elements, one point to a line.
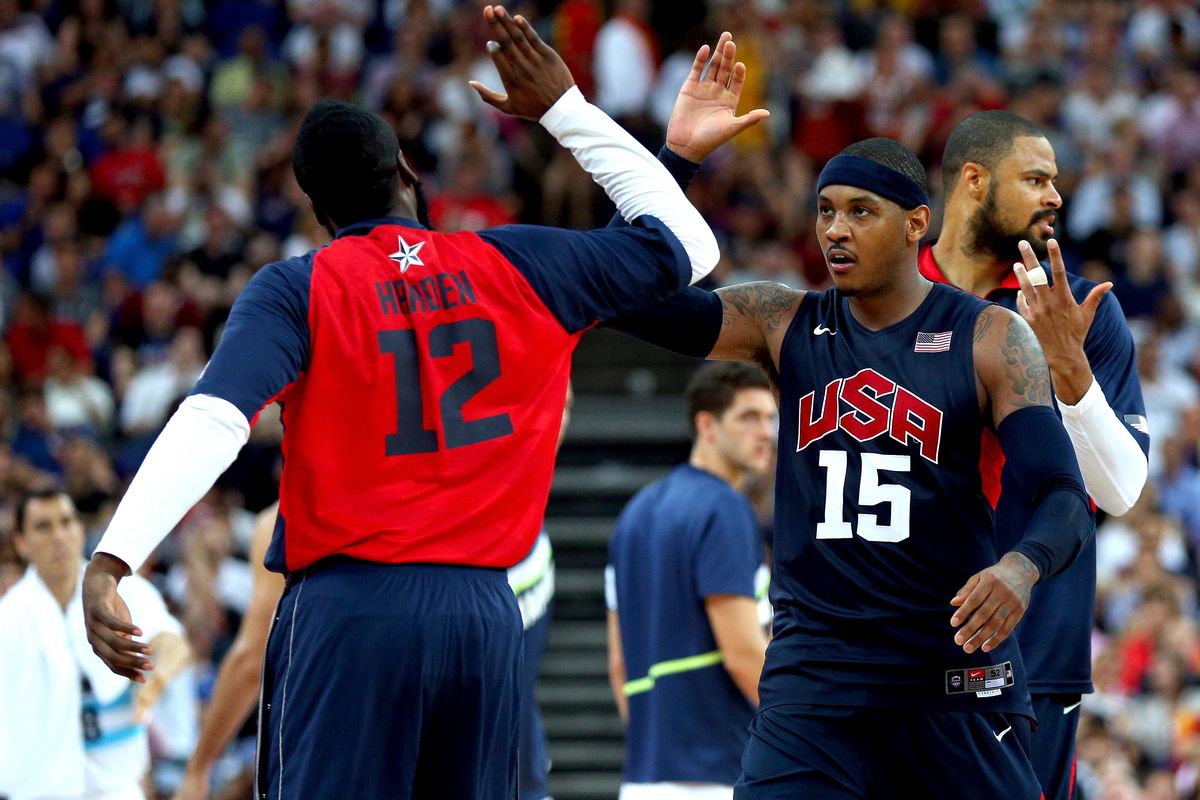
<point>407,174</point>
<point>917,224</point>
<point>324,221</point>
<point>18,540</point>
<point>974,179</point>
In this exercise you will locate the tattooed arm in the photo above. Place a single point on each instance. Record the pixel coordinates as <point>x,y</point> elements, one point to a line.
<point>1014,386</point>
<point>1010,369</point>
<point>754,318</point>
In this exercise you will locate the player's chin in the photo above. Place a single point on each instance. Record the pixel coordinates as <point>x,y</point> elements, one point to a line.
<point>1037,238</point>
<point>845,284</point>
<point>758,463</point>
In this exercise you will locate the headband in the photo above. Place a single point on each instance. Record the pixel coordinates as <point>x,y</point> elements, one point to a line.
<point>866,174</point>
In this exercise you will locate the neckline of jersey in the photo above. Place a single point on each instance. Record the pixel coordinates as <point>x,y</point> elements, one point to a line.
<point>927,264</point>
<point>912,319</point>
<point>367,225</point>
<point>687,465</point>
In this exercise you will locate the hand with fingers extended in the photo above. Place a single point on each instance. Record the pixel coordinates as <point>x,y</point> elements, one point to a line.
<point>1061,324</point>
<point>534,75</point>
<point>110,630</point>
<point>992,602</point>
<point>705,112</point>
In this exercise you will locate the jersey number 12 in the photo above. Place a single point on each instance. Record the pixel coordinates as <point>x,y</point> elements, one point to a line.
<point>870,492</point>
<point>411,435</point>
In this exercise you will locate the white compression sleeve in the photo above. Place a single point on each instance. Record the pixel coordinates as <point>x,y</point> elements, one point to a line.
<point>630,175</point>
<point>1113,465</point>
<point>199,443</point>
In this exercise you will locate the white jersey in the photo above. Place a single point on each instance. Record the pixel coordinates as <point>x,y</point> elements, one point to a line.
<point>66,721</point>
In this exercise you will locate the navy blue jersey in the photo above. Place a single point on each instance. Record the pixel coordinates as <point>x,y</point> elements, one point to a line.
<point>680,540</point>
<point>880,514</point>
<point>1055,635</point>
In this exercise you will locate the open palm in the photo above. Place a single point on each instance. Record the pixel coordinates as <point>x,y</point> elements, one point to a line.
<point>705,112</point>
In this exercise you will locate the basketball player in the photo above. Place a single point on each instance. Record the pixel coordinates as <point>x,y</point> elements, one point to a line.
<point>1001,208</point>
<point>420,374</point>
<point>892,672</point>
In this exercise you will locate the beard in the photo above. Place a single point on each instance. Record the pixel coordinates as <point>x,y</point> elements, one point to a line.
<point>986,233</point>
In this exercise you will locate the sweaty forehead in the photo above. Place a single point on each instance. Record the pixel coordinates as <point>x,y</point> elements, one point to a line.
<point>754,399</point>
<point>44,509</point>
<point>1030,153</point>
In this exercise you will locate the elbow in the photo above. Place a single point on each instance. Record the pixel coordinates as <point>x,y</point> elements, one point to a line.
<point>1115,504</point>
<point>1118,494</point>
<point>704,256</point>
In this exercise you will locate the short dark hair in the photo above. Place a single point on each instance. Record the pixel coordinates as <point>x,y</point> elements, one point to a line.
<point>30,497</point>
<point>892,155</point>
<point>714,385</point>
<point>985,138</point>
<point>345,160</point>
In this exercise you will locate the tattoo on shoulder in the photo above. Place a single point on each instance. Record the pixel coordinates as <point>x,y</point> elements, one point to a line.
<point>764,301</point>
<point>982,323</point>
<point>1024,364</point>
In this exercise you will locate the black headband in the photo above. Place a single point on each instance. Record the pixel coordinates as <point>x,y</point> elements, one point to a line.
<point>866,174</point>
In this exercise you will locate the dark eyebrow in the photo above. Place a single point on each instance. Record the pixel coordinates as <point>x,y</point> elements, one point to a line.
<point>1041,173</point>
<point>860,198</point>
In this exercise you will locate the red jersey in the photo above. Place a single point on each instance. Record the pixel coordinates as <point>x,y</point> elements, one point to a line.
<point>422,377</point>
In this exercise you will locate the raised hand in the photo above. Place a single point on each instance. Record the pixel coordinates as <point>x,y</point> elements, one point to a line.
<point>705,112</point>
<point>534,75</point>
<point>1061,324</point>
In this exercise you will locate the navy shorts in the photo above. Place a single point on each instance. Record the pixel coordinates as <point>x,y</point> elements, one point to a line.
<point>798,751</point>
<point>391,682</point>
<point>1053,753</point>
<point>535,760</point>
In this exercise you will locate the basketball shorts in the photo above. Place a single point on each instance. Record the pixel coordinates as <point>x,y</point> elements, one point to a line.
<point>1053,752</point>
<point>394,682</point>
<point>886,754</point>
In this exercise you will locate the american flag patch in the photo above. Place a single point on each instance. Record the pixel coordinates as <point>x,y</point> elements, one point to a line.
<point>1138,423</point>
<point>933,342</point>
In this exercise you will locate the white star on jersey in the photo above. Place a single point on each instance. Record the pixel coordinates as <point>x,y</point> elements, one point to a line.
<point>406,254</point>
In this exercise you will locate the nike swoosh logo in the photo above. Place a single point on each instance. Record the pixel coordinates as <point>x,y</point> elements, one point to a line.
<point>1000,736</point>
<point>817,331</point>
<point>1069,709</point>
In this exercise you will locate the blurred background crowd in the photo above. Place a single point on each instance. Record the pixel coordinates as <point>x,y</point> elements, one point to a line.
<point>145,176</point>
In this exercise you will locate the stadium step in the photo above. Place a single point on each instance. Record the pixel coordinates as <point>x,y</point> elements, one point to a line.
<point>589,726</point>
<point>574,665</point>
<point>628,429</point>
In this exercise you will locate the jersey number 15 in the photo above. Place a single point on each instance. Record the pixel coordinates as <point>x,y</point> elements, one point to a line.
<point>870,492</point>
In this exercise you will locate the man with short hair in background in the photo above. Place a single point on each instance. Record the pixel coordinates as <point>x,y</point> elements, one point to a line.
<point>70,728</point>
<point>685,645</point>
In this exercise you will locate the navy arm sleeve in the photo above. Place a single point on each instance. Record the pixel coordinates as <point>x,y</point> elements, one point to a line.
<point>687,323</point>
<point>1110,354</point>
<point>1046,478</point>
<point>682,170</point>
<point>584,277</point>
<point>265,343</point>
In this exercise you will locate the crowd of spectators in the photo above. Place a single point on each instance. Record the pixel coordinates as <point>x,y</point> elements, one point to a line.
<point>145,176</point>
